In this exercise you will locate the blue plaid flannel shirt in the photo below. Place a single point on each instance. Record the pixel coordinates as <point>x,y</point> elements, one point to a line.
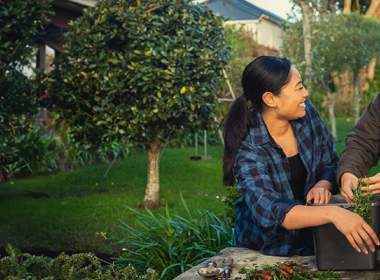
<point>263,176</point>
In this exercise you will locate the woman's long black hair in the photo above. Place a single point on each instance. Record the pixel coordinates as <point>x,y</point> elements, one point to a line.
<point>264,74</point>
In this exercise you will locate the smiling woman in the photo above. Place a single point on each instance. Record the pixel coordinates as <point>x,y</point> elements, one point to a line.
<point>282,155</point>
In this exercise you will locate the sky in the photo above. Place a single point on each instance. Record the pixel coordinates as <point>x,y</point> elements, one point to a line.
<point>278,7</point>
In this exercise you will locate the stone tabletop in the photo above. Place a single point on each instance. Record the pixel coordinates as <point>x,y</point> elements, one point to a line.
<point>250,259</point>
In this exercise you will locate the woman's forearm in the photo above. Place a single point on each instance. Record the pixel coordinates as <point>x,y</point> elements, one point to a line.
<point>309,216</point>
<point>351,225</point>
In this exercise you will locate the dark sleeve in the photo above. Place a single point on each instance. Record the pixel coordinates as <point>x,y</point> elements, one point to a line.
<point>362,148</point>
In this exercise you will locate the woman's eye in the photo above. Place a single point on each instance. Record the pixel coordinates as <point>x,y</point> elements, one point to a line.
<point>301,88</point>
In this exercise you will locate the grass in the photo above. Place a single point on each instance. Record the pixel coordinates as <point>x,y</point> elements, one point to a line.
<point>75,211</point>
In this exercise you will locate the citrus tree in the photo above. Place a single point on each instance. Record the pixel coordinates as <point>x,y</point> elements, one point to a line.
<point>146,70</point>
<point>20,22</point>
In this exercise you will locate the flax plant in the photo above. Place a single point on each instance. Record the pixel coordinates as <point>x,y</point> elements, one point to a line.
<point>171,244</point>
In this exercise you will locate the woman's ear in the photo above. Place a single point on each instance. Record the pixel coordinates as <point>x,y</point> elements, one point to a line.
<point>269,100</point>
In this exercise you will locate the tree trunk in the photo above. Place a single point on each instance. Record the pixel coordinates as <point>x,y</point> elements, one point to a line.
<point>367,74</point>
<point>371,68</point>
<point>374,9</point>
<point>151,198</point>
<point>3,176</point>
<point>355,98</point>
<point>61,164</point>
<point>331,113</point>
<point>347,7</point>
<point>307,14</point>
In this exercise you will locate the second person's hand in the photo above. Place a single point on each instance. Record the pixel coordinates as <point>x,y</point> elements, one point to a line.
<point>373,184</point>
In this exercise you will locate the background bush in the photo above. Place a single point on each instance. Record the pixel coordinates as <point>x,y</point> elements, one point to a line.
<point>82,266</point>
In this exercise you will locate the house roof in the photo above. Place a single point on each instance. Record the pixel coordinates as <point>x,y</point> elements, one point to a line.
<point>239,10</point>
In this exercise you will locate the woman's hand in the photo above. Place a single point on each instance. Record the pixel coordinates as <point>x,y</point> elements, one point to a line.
<point>355,229</point>
<point>320,193</point>
<point>348,182</point>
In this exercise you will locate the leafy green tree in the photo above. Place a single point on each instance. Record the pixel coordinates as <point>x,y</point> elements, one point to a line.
<point>335,51</point>
<point>363,40</point>
<point>20,22</point>
<point>146,70</point>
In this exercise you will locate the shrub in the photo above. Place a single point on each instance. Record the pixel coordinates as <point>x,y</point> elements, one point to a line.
<point>233,194</point>
<point>69,153</point>
<point>75,267</point>
<point>173,244</point>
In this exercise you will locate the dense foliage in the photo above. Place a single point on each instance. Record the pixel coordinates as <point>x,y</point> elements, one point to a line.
<point>81,266</point>
<point>143,69</point>
<point>20,22</point>
<point>336,49</point>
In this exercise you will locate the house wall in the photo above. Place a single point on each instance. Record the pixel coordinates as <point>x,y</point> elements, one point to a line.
<point>264,31</point>
<point>270,33</point>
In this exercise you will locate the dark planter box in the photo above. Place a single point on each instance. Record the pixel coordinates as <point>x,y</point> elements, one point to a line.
<point>332,249</point>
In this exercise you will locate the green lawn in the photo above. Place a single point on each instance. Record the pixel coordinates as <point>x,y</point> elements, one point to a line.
<point>73,211</point>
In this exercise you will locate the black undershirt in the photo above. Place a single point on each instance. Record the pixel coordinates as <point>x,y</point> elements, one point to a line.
<point>298,176</point>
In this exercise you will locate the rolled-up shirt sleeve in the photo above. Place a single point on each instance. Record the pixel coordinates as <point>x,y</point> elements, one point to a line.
<point>266,206</point>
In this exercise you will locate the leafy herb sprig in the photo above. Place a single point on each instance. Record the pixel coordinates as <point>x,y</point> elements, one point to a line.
<point>288,271</point>
<point>362,201</point>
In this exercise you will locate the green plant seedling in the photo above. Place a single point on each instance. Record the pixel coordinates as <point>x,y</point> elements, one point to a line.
<point>362,201</point>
